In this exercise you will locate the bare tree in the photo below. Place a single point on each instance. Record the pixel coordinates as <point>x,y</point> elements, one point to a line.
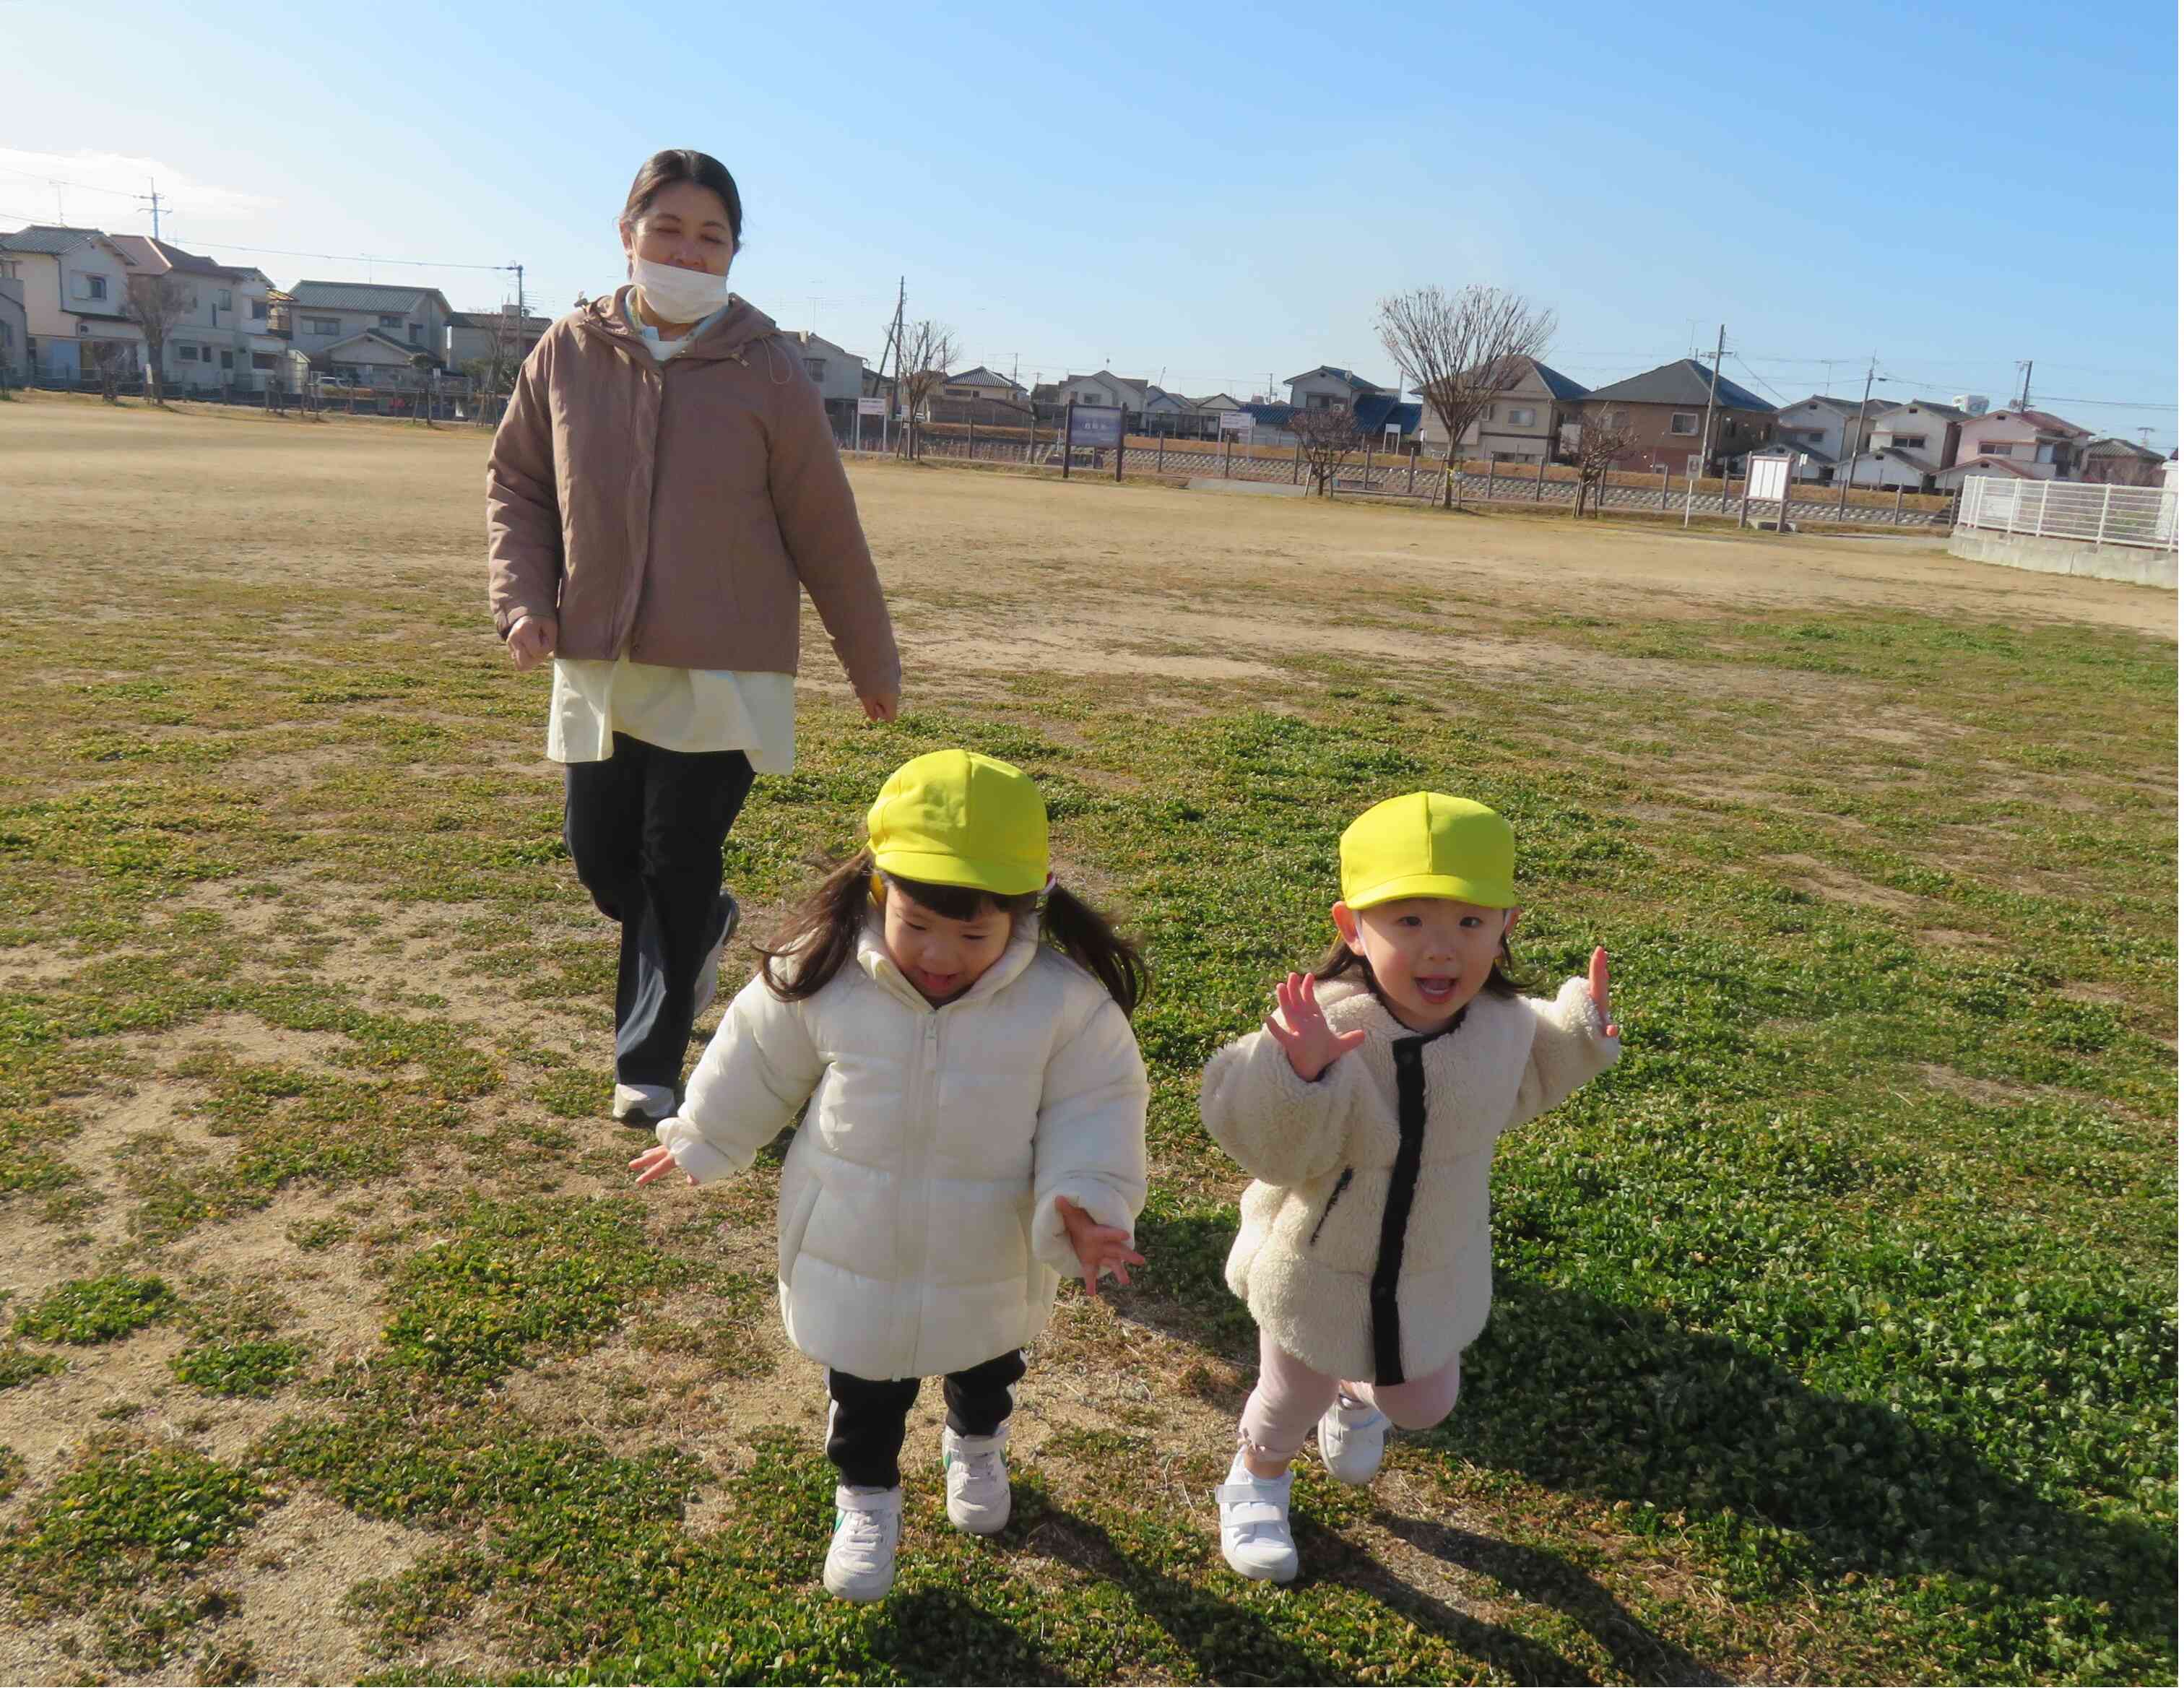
<point>155,306</point>
<point>1324,437</point>
<point>927,349</point>
<point>1603,436</point>
<point>427,366</point>
<point>112,360</point>
<point>1460,350</point>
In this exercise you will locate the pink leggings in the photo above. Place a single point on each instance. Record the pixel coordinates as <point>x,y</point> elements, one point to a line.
<point>1291,1397</point>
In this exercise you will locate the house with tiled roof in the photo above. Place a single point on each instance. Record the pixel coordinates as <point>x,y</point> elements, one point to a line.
<point>981,383</point>
<point>2046,444</point>
<point>490,344</point>
<point>1665,410</point>
<point>223,340</point>
<point>2126,464</point>
<point>1105,388</point>
<point>1329,385</point>
<point>1523,424</point>
<point>322,313</point>
<point>1825,428</point>
<point>76,300</point>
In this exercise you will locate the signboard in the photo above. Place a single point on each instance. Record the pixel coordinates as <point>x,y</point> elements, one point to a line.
<point>1095,426</point>
<point>1767,477</point>
<point>871,408</point>
<point>1238,422</point>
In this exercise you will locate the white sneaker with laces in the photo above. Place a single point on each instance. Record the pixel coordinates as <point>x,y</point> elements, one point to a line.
<point>978,1479</point>
<point>709,972</point>
<point>1352,1436</point>
<point>868,1523</point>
<point>1255,1525</point>
<point>642,1104</point>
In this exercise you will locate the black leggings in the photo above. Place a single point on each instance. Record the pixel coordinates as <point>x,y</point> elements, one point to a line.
<point>864,1432</point>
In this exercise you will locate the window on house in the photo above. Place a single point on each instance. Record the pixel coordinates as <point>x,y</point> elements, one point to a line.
<point>10,268</point>
<point>816,369</point>
<point>223,298</point>
<point>1683,423</point>
<point>416,335</point>
<point>1908,441</point>
<point>820,374</point>
<point>227,361</point>
<point>263,361</point>
<point>1523,416</point>
<point>188,352</point>
<point>6,335</point>
<point>2002,449</point>
<point>89,288</point>
<point>257,311</point>
<point>1618,418</point>
<point>322,325</point>
<point>390,319</point>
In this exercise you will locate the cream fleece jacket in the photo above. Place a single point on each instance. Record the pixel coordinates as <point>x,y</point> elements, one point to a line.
<point>918,1230</point>
<point>1367,1261</point>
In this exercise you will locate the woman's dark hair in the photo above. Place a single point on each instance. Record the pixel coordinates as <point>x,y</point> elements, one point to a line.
<point>1502,981</point>
<point>820,934</point>
<point>685,164</point>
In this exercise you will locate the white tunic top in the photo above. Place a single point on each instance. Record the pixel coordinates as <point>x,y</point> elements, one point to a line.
<point>682,710</point>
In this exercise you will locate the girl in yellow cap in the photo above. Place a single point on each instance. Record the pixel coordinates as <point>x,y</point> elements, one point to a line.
<point>1366,1109</point>
<point>975,1129</point>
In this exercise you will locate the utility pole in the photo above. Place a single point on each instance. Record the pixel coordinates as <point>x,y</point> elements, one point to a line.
<point>2024,395</point>
<point>1857,444</point>
<point>1706,434</point>
<point>518,269</point>
<point>151,199</point>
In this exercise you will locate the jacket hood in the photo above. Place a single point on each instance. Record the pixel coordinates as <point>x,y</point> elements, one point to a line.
<point>726,336</point>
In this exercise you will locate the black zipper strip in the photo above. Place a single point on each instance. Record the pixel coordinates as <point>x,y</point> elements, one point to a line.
<point>1396,1216</point>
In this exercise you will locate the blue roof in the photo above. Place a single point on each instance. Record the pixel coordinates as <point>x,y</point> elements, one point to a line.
<point>1378,412</point>
<point>1273,416</point>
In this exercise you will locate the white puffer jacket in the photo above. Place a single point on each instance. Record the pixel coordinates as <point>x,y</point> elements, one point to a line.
<point>918,1228</point>
<point>1365,1249</point>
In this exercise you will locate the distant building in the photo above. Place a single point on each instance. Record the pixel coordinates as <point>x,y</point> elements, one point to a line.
<point>1524,424</point>
<point>225,340</point>
<point>1328,385</point>
<point>983,384</point>
<point>2039,440</point>
<point>475,337</point>
<point>1665,408</point>
<point>2126,464</point>
<point>75,298</point>
<point>1907,444</point>
<point>15,332</point>
<point>323,315</point>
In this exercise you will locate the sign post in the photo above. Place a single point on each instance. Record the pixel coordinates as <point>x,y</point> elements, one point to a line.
<point>1094,426</point>
<point>1766,477</point>
<point>873,407</point>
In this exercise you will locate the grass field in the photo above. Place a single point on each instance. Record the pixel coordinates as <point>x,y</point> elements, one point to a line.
<point>1835,1335</point>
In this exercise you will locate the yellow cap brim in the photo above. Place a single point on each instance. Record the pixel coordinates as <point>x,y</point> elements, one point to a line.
<point>1501,895</point>
<point>946,870</point>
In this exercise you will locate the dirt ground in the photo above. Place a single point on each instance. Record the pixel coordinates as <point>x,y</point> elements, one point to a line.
<point>993,576</point>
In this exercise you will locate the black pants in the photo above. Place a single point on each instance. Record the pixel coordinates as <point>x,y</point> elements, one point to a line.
<point>645,828</point>
<point>864,1434</point>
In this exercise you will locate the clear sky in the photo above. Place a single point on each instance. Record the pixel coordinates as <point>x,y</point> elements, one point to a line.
<point>1205,195</point>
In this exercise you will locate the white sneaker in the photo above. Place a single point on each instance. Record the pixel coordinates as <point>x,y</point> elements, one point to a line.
<point>1255,1525</point>
<point>642,1104</point>
<point>978,1479</point>
<point>709,972</point>
<point>868,1523</point>
<point>1352,1436</point>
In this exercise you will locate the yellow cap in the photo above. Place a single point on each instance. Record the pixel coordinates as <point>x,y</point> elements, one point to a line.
<point>1430,846</point>
<point>962,820</point>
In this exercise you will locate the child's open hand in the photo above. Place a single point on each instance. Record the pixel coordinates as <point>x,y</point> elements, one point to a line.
<point>1596,979</point>
<point>1098,1249</point>
<point>653,1163</point>
<point>1299,1026</point>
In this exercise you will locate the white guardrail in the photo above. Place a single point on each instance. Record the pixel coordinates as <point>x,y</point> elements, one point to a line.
<point>2099,512</point>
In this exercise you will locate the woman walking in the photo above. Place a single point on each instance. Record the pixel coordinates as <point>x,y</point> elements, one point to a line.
<point>664,483</point>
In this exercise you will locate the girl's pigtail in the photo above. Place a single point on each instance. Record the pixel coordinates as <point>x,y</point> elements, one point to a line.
<point>820,934</point>
<point>1084,935</point>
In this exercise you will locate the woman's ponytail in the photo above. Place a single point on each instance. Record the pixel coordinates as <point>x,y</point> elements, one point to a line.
<point>820,934</point>
<point>1086,937</point>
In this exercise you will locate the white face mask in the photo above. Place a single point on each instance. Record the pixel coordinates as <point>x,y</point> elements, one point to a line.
<point>677,295</point>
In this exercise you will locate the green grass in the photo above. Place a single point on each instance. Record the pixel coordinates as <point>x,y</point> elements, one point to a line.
<point>1835,1331</point>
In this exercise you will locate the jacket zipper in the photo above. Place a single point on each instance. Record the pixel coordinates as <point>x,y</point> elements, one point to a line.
<point>1328,1210</point>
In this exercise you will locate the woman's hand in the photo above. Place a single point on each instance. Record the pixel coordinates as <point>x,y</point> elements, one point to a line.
<point>1596,980</point>
<point>653,1163</point>
<point>1099,1249</point>
<point>880,708</point>
<point>532,640</point>
<point>1300,1028</point>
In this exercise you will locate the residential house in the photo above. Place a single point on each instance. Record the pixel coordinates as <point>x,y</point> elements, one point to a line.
<point>1524,424</point>
<point>1383,415</point>
<point>838,374</point>
<point>484,338</point>
<point>14,333</point>
<point>1177,414</point>
<point>1217,403</point>
<point>1824,429</point>
<point>1665,408</point>
<point>1952,477</point>
<point>323,316</point>
<point>2040,440</point>
<point>1270,424</point>
<point>75,296</point>
<point>1329,385</point>
<point>1105,388</point>
<point>374,358</point>
<point>223,340</point>
<point>2125,463</point>
<point>1909,443</point>
<point>983,384</point>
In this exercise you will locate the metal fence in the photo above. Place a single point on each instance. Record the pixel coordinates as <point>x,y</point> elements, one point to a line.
<point>2102,513</point>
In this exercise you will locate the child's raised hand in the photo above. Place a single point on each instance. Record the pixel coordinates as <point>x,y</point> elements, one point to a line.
<point>655,1162</point>
<point>1596,979</point>
<point>1300,1028</point>
<point>1098,1249</point>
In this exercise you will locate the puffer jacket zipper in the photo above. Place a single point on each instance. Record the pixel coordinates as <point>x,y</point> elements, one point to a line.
<point>1328,1210</point>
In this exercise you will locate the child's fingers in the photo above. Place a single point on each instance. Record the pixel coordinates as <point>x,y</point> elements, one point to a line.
<point>1344,1042</point>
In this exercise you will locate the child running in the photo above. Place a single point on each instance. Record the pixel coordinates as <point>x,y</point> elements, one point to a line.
<point>1367,1111</point>
<point>975,1131</point>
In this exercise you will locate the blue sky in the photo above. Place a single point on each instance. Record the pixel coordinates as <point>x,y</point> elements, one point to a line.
<point>1204,195</point>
